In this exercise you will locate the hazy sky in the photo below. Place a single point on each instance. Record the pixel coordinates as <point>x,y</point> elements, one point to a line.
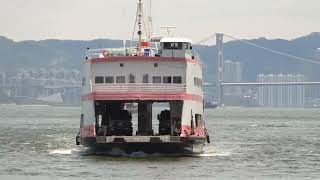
<point>196,19</point>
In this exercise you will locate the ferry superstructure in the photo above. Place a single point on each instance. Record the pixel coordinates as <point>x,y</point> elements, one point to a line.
<point>144,75</point>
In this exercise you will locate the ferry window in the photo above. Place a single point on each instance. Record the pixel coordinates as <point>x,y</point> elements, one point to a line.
<point>155,65</point>
<point>99,79</point>
<point>197,82</point>
<point>189,47</point>
<point>156,79</point>
<point>121,65</point>
<point>131,78</point>
<point>145,78</point>
<point>166,45</point>
<point>109,79</point>
<point>185,46</point>
<point>177,79</point>
<point>198,119</point>
<point>120,79</point>
<point>167,79</point>
<point>172,45</point>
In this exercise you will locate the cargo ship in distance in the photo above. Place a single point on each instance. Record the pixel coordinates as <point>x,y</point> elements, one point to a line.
<point>156,70</point>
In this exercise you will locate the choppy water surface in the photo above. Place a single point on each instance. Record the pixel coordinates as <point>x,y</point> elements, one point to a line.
<point>38,143</point>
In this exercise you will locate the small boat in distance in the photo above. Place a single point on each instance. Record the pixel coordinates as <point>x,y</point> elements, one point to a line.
<point>156,70</point>
<point>211,105</point>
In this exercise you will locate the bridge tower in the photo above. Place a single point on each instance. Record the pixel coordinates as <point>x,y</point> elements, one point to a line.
<point>219,65</point>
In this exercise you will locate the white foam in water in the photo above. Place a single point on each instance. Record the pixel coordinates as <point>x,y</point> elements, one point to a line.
<point>214,154</point>
<point>210,152</point>
<point>63,151</point>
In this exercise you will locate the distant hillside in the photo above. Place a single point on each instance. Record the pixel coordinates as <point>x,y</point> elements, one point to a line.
<point>70,54</point>
<point>46,53</point>
<point>257,61</point>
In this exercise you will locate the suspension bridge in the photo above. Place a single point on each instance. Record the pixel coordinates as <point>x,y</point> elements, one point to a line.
<point>220,84</point>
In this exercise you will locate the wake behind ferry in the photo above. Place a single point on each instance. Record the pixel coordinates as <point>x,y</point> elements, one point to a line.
<point>157,70</point>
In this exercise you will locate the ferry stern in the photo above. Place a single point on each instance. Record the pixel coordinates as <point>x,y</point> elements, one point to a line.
<point>123,87</point>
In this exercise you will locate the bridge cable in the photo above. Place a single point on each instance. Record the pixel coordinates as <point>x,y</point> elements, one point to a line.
<point>205,39</point>
<point>274,51</point>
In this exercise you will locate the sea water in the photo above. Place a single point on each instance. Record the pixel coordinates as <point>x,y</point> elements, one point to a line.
<point>38,142</point>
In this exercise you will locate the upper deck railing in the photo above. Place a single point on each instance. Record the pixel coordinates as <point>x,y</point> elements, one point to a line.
<point>139,87</point>
<point>150,52</point>
<point>116,52</point>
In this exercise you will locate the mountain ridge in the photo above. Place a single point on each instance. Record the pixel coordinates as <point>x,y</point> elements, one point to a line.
<point>30,54</point>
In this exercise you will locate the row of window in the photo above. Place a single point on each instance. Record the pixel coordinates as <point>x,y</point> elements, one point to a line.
<point>155,79</point>
<point>176,45</point>
<point>145,79</point>
<point>154,65</point>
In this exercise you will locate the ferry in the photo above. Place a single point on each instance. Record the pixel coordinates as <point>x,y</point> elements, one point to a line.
<point>157,70</point>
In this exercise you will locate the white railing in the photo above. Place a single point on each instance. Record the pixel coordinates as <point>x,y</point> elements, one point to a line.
<point>133,51</point>
<point>114,52</point>
<point>98,53</point>
<point>163,88</point>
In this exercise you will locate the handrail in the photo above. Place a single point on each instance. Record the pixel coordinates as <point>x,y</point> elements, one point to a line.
<point>129,51</point>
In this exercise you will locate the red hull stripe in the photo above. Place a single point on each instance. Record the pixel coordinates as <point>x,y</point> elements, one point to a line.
<point>198,131</point>
<point>142,58</point>
<point>88,131</point>
<point>141,96</point>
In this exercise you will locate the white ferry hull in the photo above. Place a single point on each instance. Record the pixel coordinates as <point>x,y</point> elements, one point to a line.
<point>143,75</point>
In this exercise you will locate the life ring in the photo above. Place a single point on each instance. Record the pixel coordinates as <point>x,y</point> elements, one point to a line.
<point>106,53</point>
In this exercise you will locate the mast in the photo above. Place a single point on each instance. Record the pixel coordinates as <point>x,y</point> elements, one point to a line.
<point>144,27</point>
<point>139,21</point>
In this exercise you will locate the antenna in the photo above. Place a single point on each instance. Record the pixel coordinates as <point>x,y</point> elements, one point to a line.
<point>168,29</point>
<point>150,25</point>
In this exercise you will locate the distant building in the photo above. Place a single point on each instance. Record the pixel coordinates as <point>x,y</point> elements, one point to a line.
<point>281,96</point>
<point>313,95</point>
<point>34,84</point>
<point>2,78</point>
<point>232,72</point>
